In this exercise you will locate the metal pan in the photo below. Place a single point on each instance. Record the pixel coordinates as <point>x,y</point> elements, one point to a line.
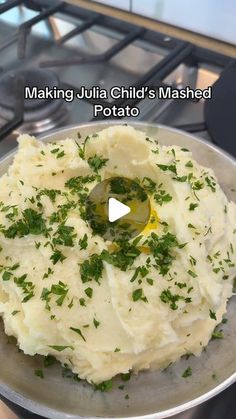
<point>151,394</point>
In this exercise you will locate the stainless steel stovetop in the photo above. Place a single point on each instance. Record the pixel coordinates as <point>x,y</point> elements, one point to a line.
<point>83,48</point>
<point>71,47</point>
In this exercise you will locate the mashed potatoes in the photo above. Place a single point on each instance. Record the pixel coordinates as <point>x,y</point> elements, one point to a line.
<point>107,308</point>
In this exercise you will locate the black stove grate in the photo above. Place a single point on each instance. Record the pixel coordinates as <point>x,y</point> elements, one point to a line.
<point>178,51</point>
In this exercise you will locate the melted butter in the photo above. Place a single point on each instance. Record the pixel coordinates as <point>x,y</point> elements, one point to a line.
<point>152,224</point>
<point>130,225</point>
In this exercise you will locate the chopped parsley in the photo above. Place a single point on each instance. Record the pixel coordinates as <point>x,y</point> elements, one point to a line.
<point>97,162</point>
<point>140,270</point>
<point>210,181</point>
<point>39,373</point>
<point>150,281</point>
<point>181,284</point>
<point>192,260</point>
<point>168,298</point>
<point>15,312</point>
<point>55,150</point>
<point>196,186</point>
<point>82,302</point>
<point>59,289</point>
<point>149,185</point>
<point>192,206</point>
<point>64,236</point>
<point>10,215</point>
<point>78,331</point>
<point>104,386</point>
<point>89,292</point>
<point>126,376</point>
<point>193,274</point>
<point>161,247</point>
<point>170,167</point>
<point>83,243</point>
<point>212,314</point>
<point>49,360</point>
<point>62,213</point>
<point>187,372</point>
<point>122,258</point>
<point>162,197</point>
<point>189,164</point>
<point>48,273</point>
<point>61,154</point>
<point>60,348</point>
<point>6,276</point>
<point>77,184</point>
<point>70,305</point>
<point>217,334</point>
<point>96,323</point>
<point>26,286</point>
<point>180,178</point>
<point>91,268</point>
<point>50,193</point>
<point>57,256</point>
<point>82,147</point>
<point>31,223</point>
<point>138,295</point>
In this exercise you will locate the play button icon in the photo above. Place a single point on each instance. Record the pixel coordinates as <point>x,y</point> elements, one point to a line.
<point>116,210</point>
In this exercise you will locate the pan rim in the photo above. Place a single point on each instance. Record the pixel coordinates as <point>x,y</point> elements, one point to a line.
<point>52,413</point>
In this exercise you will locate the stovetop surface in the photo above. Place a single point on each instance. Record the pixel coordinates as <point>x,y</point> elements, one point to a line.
<point>73,43</point>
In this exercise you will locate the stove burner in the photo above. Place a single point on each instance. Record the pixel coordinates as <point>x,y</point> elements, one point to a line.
<point>35,77</point>
<point>39,114</point>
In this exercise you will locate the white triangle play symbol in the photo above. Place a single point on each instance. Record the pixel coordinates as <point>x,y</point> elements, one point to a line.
<point>116,210</point>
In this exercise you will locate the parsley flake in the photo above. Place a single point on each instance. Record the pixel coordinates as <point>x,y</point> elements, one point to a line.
<point>193,274</point>
<point>170,167</point>
<point>83,243</point>
<point>96,323</point>
<point>192,206</point>
<point>61,348</point>
<point>212,314</point>
<point>91,268</point>
<point>57,256</point>
<point>78,331</point>
<point>97,162</point>
<point>187,372</point>
<point>104,386</point>
<point>39,373</point>
<point>89,292</point>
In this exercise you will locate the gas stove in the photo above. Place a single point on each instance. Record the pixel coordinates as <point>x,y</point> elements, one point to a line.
<point>51,43</point>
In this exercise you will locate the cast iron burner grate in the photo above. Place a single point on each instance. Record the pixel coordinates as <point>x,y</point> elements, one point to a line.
<point>31,77</point>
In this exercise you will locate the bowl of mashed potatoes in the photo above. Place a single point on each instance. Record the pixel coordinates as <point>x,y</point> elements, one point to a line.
<point>136,327</point>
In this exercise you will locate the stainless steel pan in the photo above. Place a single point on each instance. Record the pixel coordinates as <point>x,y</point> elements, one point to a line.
<point>151,394</point>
